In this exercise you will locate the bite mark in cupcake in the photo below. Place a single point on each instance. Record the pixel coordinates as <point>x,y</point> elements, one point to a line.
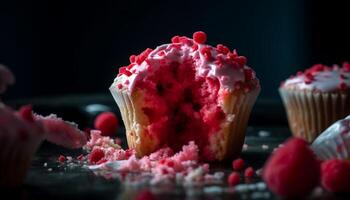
<point>184,91</point>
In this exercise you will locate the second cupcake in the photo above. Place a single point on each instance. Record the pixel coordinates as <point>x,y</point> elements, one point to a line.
<point>316,98</point>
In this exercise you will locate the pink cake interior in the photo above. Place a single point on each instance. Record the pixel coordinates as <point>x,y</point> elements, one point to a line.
<point>180,106</point>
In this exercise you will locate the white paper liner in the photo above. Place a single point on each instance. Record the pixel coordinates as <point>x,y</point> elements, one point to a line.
<point>334,142</point>
<point>15,158</point>
<point>225,144</point>
<point>309,112</point>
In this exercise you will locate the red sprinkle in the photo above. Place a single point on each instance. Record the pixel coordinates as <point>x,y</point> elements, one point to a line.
<point>132,58</point>
<point>241,60</point>
<point>26,113</point>
<point>96,155</point>
<point>61,159</point>
<point>80,157</point>
<point>175,39</point>
<point>145,195</point>
<point>238,164</point>
<point>233,179</point>
<point>248,74</point>
<point>346,67</point>
<point>249,172</point>
<point>206,53</point>
<point>223,49</point>
<point>200,37</point>
<point>107,123</point>
<point>342,86</point>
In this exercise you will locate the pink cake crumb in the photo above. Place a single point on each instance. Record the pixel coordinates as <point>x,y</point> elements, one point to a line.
<point>163,164</point>
<point>62,132</point>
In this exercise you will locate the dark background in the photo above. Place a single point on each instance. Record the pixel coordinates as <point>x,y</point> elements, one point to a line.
<point>75,47</point>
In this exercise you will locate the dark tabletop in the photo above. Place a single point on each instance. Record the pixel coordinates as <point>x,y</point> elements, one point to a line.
<point>48,179</point>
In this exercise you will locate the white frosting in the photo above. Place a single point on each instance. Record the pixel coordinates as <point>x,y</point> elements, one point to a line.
<point>323,81</point>
<point>228,73</point>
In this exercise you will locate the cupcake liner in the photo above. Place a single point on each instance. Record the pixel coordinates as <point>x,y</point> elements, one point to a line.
<point>228,143</point>
<point>310,112</point>
<point>334,142</point>
<point>225,144</point>
<point>15,158</point>
<point>134,120</point>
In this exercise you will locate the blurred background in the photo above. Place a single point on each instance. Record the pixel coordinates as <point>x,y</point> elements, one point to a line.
<point>75,47</point>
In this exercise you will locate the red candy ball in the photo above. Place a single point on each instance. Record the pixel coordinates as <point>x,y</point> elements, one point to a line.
<point>335,175</point>
<point>107,123</point>
<point>238,164</point>
<point>233,179</point>
<point>292,170</point>
<point>249,172</point>
<point>96,155</point>
<point>200,37</point>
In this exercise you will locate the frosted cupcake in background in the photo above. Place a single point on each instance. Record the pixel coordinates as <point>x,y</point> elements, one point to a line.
<point>316,98</point>
<point>334,142</point>
<point>186,91</point>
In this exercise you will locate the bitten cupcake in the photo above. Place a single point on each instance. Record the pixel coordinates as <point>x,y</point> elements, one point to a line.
<point>334,142</point>
<point>186,91</point>
<point>316,98</point>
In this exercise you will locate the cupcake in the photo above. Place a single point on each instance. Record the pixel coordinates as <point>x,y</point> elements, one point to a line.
<point>21,134</point>
<point>20,137</point>
<point>186,91</point>
<point>316,98</point>
<point>334,142</point>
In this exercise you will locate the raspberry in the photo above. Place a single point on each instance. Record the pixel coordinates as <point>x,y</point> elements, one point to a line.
<point>61,159</point>
<point>249,172</point>
<point>145,195</point>
<point>238,164</point>
<point>233,179</point>
<point>26,113</point>
<point>95,156</point>
<point>107,123</point>
<point>346,67</point>
<point>200,37</point>
<point>292,170</point>
<point>335,175</point>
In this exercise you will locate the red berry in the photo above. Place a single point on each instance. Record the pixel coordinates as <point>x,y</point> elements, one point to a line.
<point>238,164</point>
<point>200,37</point>
<point>233,179</point>
<point>335,175</point>
<point>145,195</point>
<point>107,123</point>
<point>119,86</point>
<point>249,172</point>
<point>61,159</point>
<point>26,113</point>
<point>96,155</point>
<point>292,170</point>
